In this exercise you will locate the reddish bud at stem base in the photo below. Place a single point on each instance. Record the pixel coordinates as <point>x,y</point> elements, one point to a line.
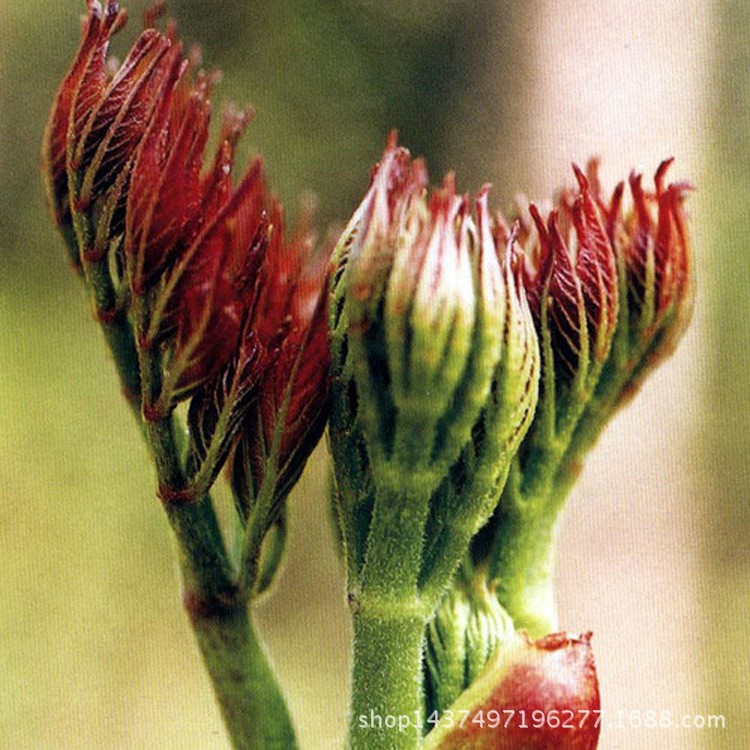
<point>533,695</point>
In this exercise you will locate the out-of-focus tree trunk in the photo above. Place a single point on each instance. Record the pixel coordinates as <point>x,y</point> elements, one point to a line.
<point>728,287</point>
<point>727,427</point>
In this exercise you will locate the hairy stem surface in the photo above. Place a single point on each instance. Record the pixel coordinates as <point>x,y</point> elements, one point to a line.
<point>387,698</point>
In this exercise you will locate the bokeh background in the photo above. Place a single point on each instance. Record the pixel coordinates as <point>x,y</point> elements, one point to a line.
<point>654,554</point>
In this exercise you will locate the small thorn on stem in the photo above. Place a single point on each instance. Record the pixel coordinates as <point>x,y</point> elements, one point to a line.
<point>154,412</point>
<point>203,608</point>
<point>106,316</point>
<point>177,496</point>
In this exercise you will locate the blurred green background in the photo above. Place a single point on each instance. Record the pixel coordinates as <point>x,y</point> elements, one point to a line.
<point>94,648</point>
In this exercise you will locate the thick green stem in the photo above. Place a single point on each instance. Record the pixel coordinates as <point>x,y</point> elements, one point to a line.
<point>389,619</point>
<point>396,538</point>
<point>523,533</point>
<point>526,521</point>
<point>523,567</point>
<point>387,702</point>
<point>207,571</point>
<point>251,704</point>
